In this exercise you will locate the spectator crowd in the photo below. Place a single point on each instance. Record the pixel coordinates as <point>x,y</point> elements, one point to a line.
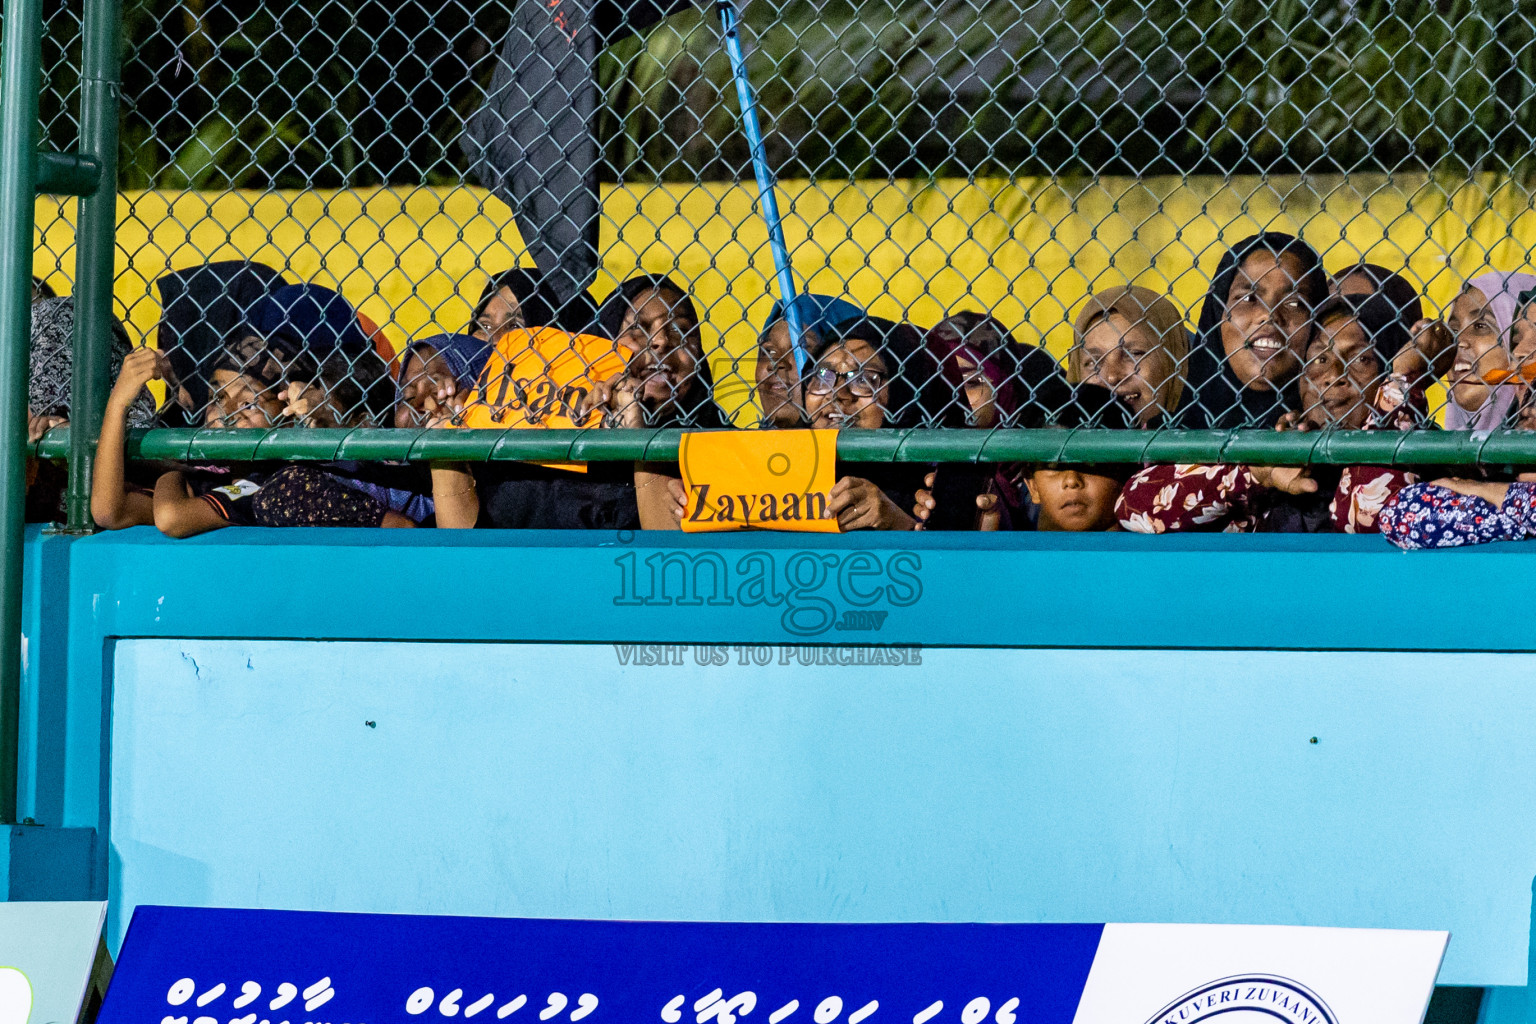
<point>1279,343</point>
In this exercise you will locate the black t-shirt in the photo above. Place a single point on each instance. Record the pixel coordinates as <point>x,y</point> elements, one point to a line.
<point>231,494</point>
<point>290,495</point>
<point>520,496</point>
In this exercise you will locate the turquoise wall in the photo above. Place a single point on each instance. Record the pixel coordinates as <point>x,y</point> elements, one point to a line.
<point>1108,728</point>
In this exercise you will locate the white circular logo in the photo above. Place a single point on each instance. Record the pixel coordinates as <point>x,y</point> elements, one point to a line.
<point>1248,999</point>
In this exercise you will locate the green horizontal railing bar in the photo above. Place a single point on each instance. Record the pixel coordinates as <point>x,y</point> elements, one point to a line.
<point>67,174</point>
<point>1260,447</point>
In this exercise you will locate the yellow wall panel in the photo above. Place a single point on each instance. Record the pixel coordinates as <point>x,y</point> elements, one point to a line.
<point>1030,249</point>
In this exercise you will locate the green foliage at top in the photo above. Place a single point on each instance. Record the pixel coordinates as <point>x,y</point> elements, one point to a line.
<point>248,93</point>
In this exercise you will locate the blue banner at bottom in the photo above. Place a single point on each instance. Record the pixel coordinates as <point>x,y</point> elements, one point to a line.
<point>206,966</point>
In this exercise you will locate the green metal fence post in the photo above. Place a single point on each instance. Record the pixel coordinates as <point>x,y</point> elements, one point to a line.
<point>19,84</point>
<point>94,251</point>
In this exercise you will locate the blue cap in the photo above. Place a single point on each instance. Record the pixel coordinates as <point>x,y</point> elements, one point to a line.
<point>312,316</point>
<point>820,313</point>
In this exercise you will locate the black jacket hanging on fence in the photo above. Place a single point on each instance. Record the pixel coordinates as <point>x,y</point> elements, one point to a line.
<point>534,142</point>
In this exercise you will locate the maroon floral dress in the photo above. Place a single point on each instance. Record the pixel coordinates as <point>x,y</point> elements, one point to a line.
<point>1228,498</point>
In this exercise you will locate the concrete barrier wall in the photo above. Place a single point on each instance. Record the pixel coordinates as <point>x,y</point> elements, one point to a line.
<point>1286,730</point>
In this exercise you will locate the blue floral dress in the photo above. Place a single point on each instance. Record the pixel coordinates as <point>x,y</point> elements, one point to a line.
<point>1429,516</point>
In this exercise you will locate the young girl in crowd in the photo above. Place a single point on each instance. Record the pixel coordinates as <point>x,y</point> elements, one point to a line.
<point>1349,351</point>
<point>1426,355</point>
<point>201,308</point>
<point>1254,324</point>
<point>1492,323</point>
<point>188,501</point>
<point>314,368</point>
<point>666,379</point>
<point>1133,342</point>
<point>316,323</point>
<point>1522,343</point>
<point>435,373</point>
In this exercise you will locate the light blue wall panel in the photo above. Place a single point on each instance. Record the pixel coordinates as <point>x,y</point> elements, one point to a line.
<point>983,785</point>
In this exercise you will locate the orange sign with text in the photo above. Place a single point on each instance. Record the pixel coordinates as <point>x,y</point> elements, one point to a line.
<point>541,378</point>
<point>759,480</point>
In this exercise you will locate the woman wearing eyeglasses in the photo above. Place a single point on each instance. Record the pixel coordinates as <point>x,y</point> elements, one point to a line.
<point>875,375</point>
<point>862,379</point>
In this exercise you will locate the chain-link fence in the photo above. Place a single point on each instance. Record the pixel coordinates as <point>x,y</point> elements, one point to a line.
<point>996,213</point>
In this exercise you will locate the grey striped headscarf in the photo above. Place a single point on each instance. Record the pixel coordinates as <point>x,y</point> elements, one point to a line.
<point>52,361</point>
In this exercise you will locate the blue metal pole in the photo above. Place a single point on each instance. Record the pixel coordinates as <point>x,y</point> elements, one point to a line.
<point>19,85</point>
<point>765,184</point>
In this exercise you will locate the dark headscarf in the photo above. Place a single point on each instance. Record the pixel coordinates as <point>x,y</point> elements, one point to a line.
<point>1385,329</point>
<point>823,314</point>
<point>314,317</point>
<point>1378,316</point>
<point>311,324</point>
<point>913,384</point>
<point>1094,405</point>
<point>1217,399</point>
<point>265,363</point>
<point>1027,380</point>
<point>696,409</point>
<point>464,354</point>
<point>610,315</point>
<point>539,305</point>
<point>51,362</point>
<point>202,307</point>
<point>1395,289</point>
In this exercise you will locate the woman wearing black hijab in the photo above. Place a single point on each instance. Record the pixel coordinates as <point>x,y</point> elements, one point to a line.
<point>517,298</point>
<point>1253,331</point>
<point>203,308</point>
<point>667,381</point>
<point>1432,349</point>
<point>875,374</point>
